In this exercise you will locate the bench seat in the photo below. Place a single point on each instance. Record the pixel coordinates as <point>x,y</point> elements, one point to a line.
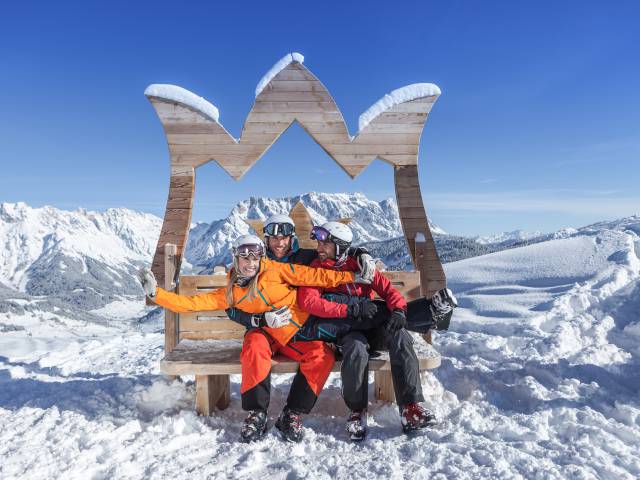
<point>212,361</point>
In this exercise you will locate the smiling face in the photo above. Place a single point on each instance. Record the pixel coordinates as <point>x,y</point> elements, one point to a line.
<point>279,246</point>
<point>248,266</point>
<point>326,250</point>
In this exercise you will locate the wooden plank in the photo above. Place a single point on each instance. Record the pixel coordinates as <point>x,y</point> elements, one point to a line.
<point>383,386</point>
<point>295,86</point>
<point>213,335</point>
<point>170,318</point>
<point>369,149</point>
<point>304,224</point>
<point>217,151</point>
<point>299,96</point>
<point>215,138</point>
<point>295,106</point>
<point>192,284</point>
<point>211,391</point>
<point>191,323</point>
<point>293,74</point>
<point>220,357</point>
<point>414,222</point>
<point>261,117</point>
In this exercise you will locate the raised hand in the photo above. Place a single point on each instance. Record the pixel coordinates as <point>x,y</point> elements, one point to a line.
<point>148,282</point>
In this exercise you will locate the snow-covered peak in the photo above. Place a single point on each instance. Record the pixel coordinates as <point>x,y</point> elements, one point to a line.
<point>32,235</point>
<point>396,97</point>
<point>277,68</point>
<point>178,94</point>
<point>626,224</point>
<point>514,236</point>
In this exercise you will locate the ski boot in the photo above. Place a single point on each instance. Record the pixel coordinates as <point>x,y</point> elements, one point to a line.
<point>357,425</point>
<point>290,425</point>
<point>414,416</point>
<point>254,426</point>
<point>442,304</point>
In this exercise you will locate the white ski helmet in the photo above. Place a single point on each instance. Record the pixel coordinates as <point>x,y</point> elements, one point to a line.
<point>340,234</point>
<point>279,225</point>
<point>247,244</point>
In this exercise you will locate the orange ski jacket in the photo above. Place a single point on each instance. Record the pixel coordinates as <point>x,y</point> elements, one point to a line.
<point>277,284</point>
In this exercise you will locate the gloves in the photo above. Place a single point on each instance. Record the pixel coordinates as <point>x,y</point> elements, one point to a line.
<point>359,278</point>
<point>397,320</point>
<point>443,301</point>
<point>148,282</point>
<point>361,310</point>
<point>277,318</point>
<point>367,267</point>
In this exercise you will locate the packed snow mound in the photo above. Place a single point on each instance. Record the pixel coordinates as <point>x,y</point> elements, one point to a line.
<point>540,379</point>
<point>277,68</point>
<point>181,95</point>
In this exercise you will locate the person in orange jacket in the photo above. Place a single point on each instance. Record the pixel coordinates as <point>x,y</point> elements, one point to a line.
<point>262,286</point>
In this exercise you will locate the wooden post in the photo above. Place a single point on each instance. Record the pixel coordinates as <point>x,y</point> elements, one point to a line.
<point>420,252</point>
<point>383,384</point>
<point>170,318</point>
<point>212,391</point>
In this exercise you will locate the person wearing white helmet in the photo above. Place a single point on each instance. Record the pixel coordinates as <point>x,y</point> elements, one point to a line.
<point>264,287</point>
<point>282,246</point>
<point>348,316</point>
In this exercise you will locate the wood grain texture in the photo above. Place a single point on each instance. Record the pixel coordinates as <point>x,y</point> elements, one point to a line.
<point>170,318</point>
<point>415,223</point>
<point>383,386</point>
<point>221,357</point>
<point>304,224</point>
<point>177,220</point>
<point>212,391</point>
<point>293,95</point>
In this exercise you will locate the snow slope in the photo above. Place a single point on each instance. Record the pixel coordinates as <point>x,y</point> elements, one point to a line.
<point>540,379</point>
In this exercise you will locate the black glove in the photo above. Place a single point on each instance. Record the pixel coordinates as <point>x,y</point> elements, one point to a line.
<point>397,321</point>
<point>361,310</point>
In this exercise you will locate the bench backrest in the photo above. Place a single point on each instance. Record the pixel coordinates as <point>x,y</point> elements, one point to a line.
<point>216,325</point>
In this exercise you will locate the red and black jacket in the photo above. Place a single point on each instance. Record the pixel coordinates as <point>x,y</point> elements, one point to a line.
<point>310,299</point>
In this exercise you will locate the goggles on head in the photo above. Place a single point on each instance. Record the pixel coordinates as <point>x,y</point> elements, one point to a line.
<point>250,249</point>
<point>320,234</point>
<point>279,230</point>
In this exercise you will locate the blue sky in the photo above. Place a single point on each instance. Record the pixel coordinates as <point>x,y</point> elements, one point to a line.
<point>537,127</point>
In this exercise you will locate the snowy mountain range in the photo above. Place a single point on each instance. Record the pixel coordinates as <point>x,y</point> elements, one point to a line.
<point>84,261</point>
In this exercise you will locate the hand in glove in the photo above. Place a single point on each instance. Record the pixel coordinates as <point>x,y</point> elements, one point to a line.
<point>148,281</point>
<point>277,318</point>
<point>397,321</point>
<point>364,309</point>
<point>367,267</point>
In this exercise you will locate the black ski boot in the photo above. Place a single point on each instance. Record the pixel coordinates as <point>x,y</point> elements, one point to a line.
<point>442,304</point>
<point>290,425</point>
<point>357,425</point>
<point>254,426</point>
<point>414,417</point>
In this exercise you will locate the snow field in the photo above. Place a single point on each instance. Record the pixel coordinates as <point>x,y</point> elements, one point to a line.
<point>540,379</point>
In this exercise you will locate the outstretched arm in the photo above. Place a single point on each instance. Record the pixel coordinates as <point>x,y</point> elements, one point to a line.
<point>311,301</point>
<point>213,300</point>
<point>301,276</point>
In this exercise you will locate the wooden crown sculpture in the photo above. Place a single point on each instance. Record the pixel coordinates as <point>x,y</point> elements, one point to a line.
<point>289,92</point>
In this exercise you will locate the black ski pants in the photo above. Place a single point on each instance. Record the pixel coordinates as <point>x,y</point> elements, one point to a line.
<point>356,339</point>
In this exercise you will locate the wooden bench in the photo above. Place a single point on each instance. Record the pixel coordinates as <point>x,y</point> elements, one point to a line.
<point>208,344</point>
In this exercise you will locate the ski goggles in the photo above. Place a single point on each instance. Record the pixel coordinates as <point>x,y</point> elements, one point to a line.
<point>251,249</point>
<point>279,230</point>
<point>320,234</point>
